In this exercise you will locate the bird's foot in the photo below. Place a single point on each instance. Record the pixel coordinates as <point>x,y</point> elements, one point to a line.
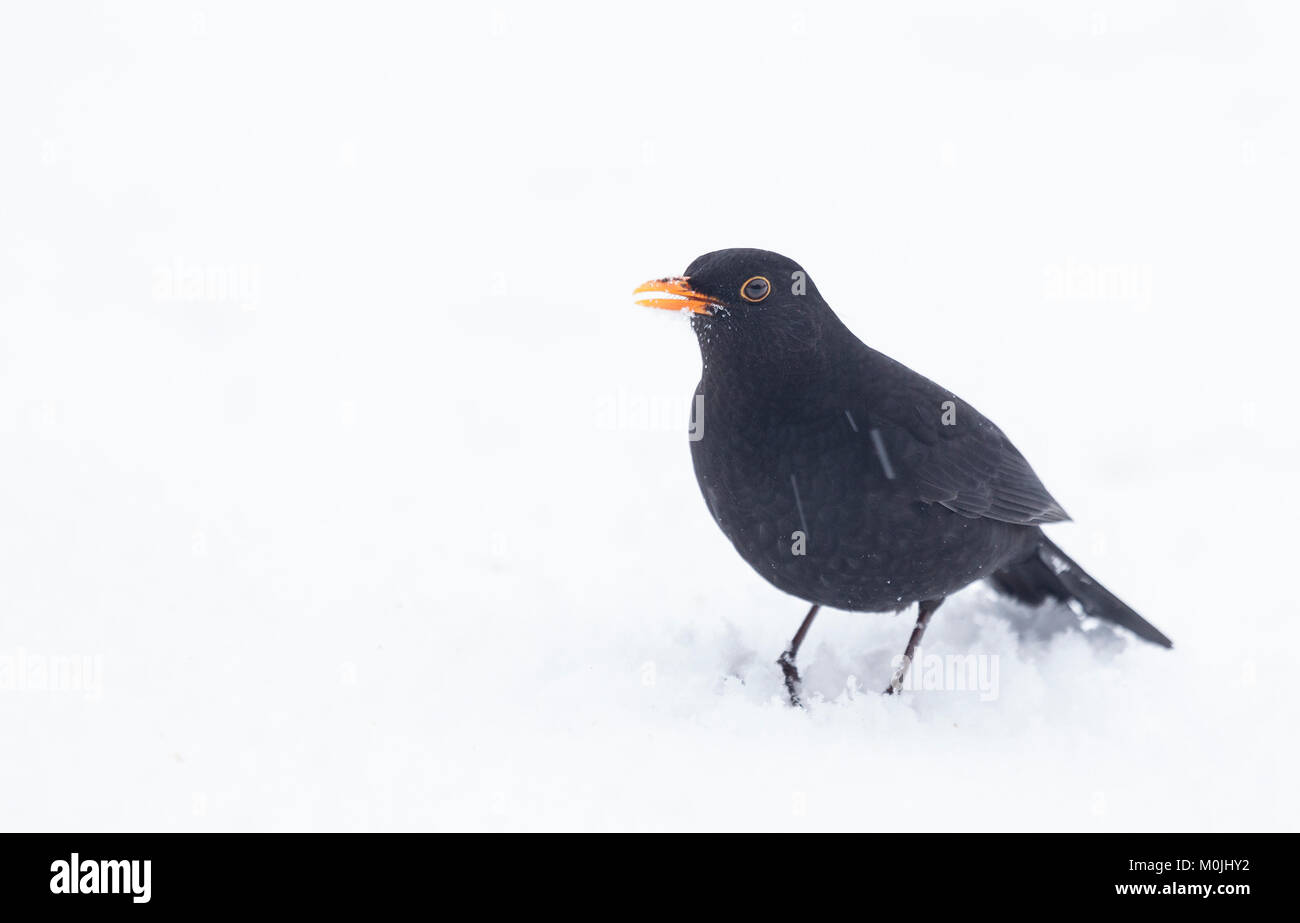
<point>792,683</point>
<point>896,684</point>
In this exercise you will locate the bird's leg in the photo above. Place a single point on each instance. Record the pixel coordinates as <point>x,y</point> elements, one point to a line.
<point>923,613</point>
<point>786,660</point>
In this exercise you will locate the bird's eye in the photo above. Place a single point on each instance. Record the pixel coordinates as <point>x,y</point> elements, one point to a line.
<point>756,288</point>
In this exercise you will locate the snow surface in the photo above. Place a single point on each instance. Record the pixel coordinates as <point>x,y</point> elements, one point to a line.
<point>333,444</point>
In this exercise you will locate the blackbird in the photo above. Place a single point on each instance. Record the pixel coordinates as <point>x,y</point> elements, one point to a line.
<point>846,479</point>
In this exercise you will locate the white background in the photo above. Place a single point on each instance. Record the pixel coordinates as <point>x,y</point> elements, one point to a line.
<point>330,435</point>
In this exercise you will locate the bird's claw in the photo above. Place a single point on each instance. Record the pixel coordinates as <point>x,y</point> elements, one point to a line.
<point>896,684</point>
<point>792,682</point>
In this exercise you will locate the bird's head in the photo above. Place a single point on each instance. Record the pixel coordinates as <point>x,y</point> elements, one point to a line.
<point>754,305</point>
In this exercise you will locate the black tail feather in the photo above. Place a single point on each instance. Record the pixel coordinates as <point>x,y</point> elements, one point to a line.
<point>1051,573</point>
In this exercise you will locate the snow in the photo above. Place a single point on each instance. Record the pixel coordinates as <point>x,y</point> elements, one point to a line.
<point>354,492</point>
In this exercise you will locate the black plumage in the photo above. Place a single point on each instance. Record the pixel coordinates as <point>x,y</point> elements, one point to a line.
<point>845,478</point>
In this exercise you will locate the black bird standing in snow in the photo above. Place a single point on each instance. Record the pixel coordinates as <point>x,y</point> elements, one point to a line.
<point>845,478</point>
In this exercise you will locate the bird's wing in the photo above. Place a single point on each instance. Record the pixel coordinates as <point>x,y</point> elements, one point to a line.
<point>957,457</point>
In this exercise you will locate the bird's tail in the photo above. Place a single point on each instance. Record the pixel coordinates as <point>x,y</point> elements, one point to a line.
<point>1049,572</point>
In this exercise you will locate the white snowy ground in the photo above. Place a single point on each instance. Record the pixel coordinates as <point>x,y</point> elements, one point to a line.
<point>332,444</point>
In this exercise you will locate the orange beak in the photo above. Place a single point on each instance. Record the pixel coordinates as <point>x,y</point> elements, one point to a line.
<point>682,296</point>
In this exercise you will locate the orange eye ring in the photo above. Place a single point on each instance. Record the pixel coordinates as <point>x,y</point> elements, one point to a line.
<point>755,289</point>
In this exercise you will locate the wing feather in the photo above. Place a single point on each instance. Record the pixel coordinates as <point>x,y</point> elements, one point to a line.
<point>967,465</point>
